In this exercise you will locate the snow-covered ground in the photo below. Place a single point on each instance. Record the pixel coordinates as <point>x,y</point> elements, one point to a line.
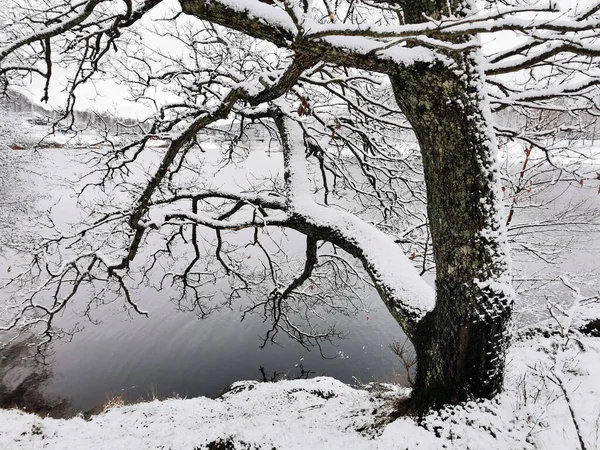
<point>550,402</point>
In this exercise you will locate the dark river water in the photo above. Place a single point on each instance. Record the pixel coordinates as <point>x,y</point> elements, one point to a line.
<point>175,353</point>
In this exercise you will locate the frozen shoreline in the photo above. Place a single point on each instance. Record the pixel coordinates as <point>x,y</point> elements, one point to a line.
<point>551,390</point>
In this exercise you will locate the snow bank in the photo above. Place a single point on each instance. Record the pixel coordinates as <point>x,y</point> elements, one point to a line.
<point>320,413</point>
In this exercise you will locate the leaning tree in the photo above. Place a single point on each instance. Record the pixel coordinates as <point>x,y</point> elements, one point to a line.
<point>336,83</point>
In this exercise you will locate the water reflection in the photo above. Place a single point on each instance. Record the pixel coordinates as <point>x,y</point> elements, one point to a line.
<point>24,375</point>
<point>174,353</point>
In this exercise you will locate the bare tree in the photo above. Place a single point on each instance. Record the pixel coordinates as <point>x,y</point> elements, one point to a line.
<point>337,83</point>
<point>17,203</point>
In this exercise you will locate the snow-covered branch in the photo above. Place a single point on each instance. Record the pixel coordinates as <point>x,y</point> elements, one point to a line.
<point>406,294</point>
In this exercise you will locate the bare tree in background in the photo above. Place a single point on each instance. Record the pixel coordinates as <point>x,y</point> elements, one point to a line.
<point>335,82</point>
<point>17,203</point>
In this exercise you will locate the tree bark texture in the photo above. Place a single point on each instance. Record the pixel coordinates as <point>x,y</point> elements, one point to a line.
<point>460,345</point>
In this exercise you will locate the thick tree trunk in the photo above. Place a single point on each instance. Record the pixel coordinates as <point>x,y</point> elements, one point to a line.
<point>460,345</point>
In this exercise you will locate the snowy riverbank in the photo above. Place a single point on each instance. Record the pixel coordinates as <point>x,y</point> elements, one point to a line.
<point>550,402</point>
